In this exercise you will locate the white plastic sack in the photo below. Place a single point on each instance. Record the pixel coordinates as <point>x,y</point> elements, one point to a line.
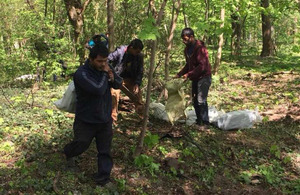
<point>242,119</point>
<point>213,115</point>
<point>159,111</point>
<point>175,104</point>
<point>68,101</point>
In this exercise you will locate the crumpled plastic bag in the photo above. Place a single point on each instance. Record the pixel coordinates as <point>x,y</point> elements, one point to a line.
<point>213,115</point>
<point>159,111</point>
<point>68,101</point>
<point>241,119</point>
<point>175,105</point>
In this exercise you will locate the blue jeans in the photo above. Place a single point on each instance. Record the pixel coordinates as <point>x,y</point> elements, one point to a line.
<point>83,136</point>
<point>200,92</point>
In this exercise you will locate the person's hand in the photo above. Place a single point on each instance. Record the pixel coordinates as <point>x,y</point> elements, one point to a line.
<point>111,75</point>
<point>185,76</point>
<point>136,89</point>
<point>105,68</point>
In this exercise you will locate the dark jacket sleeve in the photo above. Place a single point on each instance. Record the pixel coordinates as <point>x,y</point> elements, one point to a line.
<point>202,60</point>
<point>117,80</point>
<point>91,85</point>
<point>140,70</point>
<point>183,71</point>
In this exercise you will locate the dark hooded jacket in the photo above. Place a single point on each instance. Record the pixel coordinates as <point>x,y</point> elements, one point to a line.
<point>92,88</point>
<point>119,58</point>
<point>197,63</point>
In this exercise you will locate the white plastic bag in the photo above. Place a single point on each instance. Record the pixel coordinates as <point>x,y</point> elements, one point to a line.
<point>242,119</point>
<point>68,101</point>
<point>175,104</point>
<point>213,115</point>
<point>159,111</point>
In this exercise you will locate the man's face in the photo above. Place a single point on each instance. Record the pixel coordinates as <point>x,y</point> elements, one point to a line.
<point>99,62</point>
<point>134,52</point>
<point>186,40</point>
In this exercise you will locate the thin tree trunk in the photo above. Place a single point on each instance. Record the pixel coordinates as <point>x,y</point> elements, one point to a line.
<point>236,35</point>
<point>171,35</point>
<point>110,24</point>
<point>204,37</point>
<point>268,47</point>
<point>75,11</point>
<point>151,8</point>
<point>206,9</point>
<point>221,40</point>
<point>150,78</point>
<point>46,7</point>
<point>186,23</point>
<point>54,11</point>
<point>30,5</point>
<point>295,29</point>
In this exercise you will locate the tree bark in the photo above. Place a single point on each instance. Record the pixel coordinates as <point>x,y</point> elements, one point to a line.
<point>54,11</point>
<point>295,30</point>
<point>176,7</point>
<point>140,143</point>
<point>110,24</point>
<point>46,7</point>
<point>204,37</point>
<point>186,22</point>
<point>236,35</point>
<point>75,10</point>
<point>30,5</point>
<point>221,40</point>
<point>268,47</point>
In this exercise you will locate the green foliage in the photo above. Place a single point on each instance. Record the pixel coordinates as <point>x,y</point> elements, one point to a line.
<point>146,162</point>
<point>33,131</point>
<point>148,30</point>
<point>275,151</point>
<point>151,140</point>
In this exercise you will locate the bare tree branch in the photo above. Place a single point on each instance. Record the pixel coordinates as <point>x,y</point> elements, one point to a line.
<point>85,4</point>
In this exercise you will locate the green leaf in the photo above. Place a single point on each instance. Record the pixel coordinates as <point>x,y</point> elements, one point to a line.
<point>49,112</point>
<point>148,30</point>
<point>151,140</point>
<point>287,159</point>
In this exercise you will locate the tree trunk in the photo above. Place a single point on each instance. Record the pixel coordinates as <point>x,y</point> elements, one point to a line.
<point>186,23</point>
<point>236,35</point>
<point>54,11</point>
<point>295,30</point>
<point>151,8</point>
<point>176,6</point>
<point>46,7</point>
<point>221,40</point>
<point>268,47</point>
<point>75,11</point>
<point>150,78</point>
<point>30,5</point>
<point>204,37</point>
<point>110,24</point>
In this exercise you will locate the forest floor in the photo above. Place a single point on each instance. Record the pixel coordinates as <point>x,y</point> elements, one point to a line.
<point>177,159</point>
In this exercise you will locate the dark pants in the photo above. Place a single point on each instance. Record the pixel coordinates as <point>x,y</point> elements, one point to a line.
<point>200,92</point>
<point>83,136</point>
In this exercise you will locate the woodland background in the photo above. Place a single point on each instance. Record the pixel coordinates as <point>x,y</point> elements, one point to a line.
<point>254,49</point>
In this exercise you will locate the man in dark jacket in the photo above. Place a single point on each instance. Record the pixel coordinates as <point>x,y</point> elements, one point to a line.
<point>128,62</point>
<point>93,82</point>
<point>198,70</point>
